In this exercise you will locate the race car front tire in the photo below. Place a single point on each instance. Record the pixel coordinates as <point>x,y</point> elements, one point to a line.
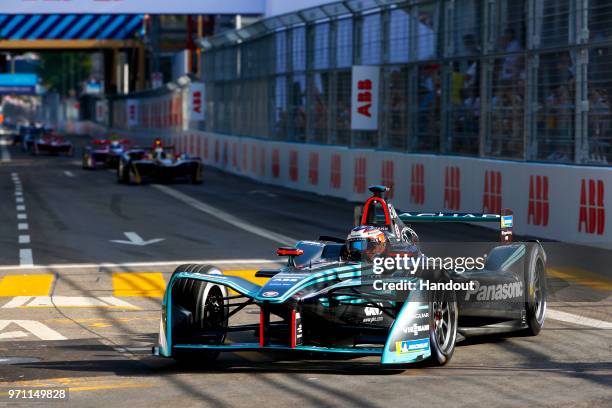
<point>207,311</point>
<point>443,314</point>
<point>536,293</point>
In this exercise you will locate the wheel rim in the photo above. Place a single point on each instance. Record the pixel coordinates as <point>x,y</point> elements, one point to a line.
<point>442,323</point>
<point>539,297</point>
<point>214,313</point>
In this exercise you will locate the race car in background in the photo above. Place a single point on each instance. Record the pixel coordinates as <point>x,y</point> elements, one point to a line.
<point>104,153</point>
<point>329,299</point>
<point>29,134</point>
<point>158,162</point>
<point>52,143</point>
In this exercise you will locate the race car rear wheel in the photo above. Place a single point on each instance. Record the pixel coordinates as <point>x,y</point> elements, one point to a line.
<point>536,293</point>
<point>208,313</point>
<point>121,176</point>
<point>443,326</point>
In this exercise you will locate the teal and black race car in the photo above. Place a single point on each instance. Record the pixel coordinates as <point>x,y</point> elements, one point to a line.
<point>373,294</point>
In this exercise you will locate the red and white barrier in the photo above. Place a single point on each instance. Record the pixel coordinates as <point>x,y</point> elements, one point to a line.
<point>560,202</point>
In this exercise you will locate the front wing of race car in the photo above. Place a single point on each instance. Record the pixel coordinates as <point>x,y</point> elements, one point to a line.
<point>407,341</point>
<point>152,169</point>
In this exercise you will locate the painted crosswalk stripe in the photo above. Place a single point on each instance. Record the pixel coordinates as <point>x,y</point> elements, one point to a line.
<point>21,208</point>
<point>68,301</point>
<point>22,216</point>
<point>23,226</point>
<point>24,239</point>
<point>19,199</point>
<point>26,285</point>
<point>36,328</point>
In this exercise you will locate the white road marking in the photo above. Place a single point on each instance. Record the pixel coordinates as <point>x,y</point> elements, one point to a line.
<point>68,173</point>
<point>13,335</point>
<point>68,301</point>
<point>22,216</point>
<point>145,264</point>
<point>5,155</point>
<point>36,328</point>
<point>13,174</point>
<point>23,226</point>
<point>226,217</point>
<point>18,193</point>
<point>21,208</point>
<point>19,199</point>
<point>17,301</point>
<point>24,239</point>
<point>135,239</point>
<point>575,319</point>
<point>25,258</point>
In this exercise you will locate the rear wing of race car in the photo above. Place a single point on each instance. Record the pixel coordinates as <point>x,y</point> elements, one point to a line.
<point>505,220</point>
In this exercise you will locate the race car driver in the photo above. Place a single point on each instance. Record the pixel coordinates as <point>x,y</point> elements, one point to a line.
<point>365,243</point>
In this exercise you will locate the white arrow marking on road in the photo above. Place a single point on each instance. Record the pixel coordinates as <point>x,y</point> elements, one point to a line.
<point>135,239</point>
<point>36,328</point>
<point>69,173</point>
<point>13,335</point>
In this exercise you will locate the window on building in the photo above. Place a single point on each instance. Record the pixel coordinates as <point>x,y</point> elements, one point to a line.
<point>371,39</point>
<point>344,43</point>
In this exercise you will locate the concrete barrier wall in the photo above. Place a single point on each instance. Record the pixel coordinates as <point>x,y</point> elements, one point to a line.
<point>560,202</point>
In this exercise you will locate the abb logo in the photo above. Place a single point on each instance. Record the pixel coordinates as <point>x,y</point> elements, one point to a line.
<point>225,154</point>
<point>492,195</point>
<point>253,159</point>
<point>364,97</point>
<point>235,155</point>
<point>205,148</point>
<point>417,186</point>
<point>275,163</point>
<point>216,151</point>
<point>592,213</point>
<point>197,101</point>
<point>313,169</point>
<point>262,162</point>
<point>452,188</point>
<point>132,112</point>
<point>537,211</point>
<point>359,183</point>
<point>245,157</point>
<point>336,172</point>
<point>293,165</point>
<point>387,176</point>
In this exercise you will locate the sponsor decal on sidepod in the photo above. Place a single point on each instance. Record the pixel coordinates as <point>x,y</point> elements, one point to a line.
<point>496,292</point>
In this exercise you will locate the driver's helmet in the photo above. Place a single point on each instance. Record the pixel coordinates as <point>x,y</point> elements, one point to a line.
<point>158,150</point>
<point>365,243</point>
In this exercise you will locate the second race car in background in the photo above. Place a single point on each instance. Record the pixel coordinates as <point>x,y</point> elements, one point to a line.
<point>52,143</point>
<point>104,153</point>
<point>159,162</point>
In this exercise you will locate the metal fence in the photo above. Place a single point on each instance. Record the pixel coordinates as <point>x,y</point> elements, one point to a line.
<point>513,79</point>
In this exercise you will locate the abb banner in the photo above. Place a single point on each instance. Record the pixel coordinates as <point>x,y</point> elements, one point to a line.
<point>196,101</point>
<point>132,112</point>
<point>565,203</point>
<point>364,97</point>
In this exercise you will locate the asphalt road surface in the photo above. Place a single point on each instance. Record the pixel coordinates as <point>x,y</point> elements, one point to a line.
<point>79,310</point>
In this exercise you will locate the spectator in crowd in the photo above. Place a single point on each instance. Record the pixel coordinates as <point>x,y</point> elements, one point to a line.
<point>512,64</point>
<point>599,126</point>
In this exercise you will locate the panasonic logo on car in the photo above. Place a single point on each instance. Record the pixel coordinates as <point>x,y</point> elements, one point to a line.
<point>495,292</point>
<point>415,328</point>
<point>412,346</point>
